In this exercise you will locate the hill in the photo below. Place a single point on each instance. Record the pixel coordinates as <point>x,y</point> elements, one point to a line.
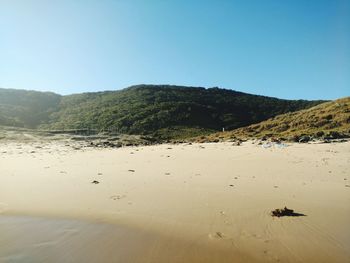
<point>172,111</point>
<point>326,120</point>
<point>22,108</point>
<point>161,110</point>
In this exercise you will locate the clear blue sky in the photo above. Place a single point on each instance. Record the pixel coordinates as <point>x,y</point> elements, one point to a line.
<point>287,49</point>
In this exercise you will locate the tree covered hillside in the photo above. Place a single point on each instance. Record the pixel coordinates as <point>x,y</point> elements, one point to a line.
<point>163,110</point>
<point>157,108</point>
<point>23,108</point>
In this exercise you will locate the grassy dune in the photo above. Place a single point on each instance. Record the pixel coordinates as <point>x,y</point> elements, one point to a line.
<point>326,120</point>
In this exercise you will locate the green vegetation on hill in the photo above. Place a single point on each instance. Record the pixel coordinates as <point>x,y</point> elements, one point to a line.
<point>21,108</point>
<point>165,111</point>
<point>329,119</point>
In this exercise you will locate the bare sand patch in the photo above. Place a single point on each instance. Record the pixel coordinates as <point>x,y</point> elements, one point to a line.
<point>189,198</point>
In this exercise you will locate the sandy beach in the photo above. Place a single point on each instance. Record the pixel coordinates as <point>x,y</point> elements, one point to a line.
<point>174,203</point>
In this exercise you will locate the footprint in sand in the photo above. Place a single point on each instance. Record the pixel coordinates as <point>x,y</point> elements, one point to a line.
<point>218,235</point>
<point>117,197</point>
<point>131,170</point>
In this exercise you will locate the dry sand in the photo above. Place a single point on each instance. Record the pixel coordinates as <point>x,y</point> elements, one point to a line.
<point>174,203</point>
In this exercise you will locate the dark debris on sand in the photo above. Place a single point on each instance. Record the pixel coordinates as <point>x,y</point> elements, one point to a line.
<point>285,212</point>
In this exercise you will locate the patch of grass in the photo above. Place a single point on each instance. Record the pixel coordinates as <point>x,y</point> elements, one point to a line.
<point>325,119</point>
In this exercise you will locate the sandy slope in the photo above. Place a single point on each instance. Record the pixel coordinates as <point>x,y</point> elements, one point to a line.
<point>183,203</point>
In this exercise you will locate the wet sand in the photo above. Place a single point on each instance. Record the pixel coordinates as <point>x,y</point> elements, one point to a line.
<point>174,203</point>
<point>35,239</point>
